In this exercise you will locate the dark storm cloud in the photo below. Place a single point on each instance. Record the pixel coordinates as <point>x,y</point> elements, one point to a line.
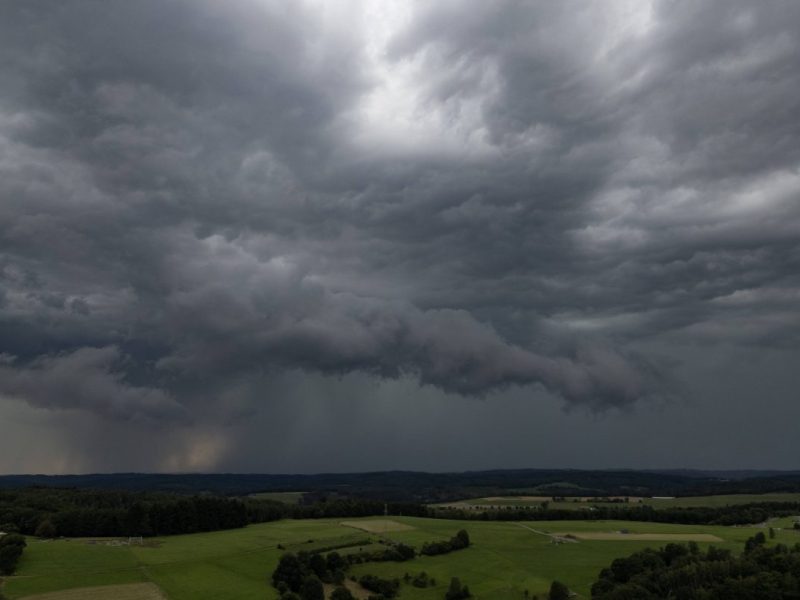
<point>197,197</point>
<point>85,379</point>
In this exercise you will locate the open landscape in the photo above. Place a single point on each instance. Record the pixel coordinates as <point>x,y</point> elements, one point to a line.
<point>399,300</point>
<point>503,560</point>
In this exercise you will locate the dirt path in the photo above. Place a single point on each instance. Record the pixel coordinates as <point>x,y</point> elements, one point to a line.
<point>553,536</point>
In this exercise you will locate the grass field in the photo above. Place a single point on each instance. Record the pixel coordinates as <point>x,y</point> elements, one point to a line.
<point>640,537</point>
<point>586,501</point>
<point>505,558</point>
<point>128,591</point>
<point>377,525</point>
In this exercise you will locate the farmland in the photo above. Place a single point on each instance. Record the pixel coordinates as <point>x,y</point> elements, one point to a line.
<point>586,502</point>
<point>505,559</point>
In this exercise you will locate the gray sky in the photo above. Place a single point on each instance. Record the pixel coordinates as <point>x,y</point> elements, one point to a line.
<point>310,236</point>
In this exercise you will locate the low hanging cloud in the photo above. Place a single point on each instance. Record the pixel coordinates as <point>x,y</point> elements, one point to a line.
<point>87,379</point>
<point>200,195</point>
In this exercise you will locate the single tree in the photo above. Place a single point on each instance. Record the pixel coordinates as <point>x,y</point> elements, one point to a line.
<point>341,593</point>
<point>558,591</point>
<point>312,589</point>
<point>45,530</point>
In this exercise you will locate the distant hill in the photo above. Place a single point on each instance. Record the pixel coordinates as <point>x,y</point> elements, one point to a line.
<point>436,487</point>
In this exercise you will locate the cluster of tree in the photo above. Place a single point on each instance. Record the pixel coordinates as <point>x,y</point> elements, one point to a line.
<point>421,580</point>
<point>11,547</point>
<point>50,512</point>
<point>683,571</point>
<point>386,588</point>
<point>457,542</point>
<point>456,591</point>
<point>294,570</point>
<point>702,515</point>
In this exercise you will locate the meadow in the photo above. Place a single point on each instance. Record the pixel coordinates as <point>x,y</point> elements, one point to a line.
<point>505,558</point>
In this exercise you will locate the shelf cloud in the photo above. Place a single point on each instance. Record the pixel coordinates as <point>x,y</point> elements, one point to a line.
<point>199,200</point>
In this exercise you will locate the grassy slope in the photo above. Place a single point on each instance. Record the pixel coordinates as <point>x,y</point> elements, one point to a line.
<point>504,560</point>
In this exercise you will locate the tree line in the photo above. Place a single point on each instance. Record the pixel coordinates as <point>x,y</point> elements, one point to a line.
<point>742,514</point>
<point>84,513</point>
<point>51,512</point>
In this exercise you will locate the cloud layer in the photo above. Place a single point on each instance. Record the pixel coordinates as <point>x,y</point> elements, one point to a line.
<point>199,199</point>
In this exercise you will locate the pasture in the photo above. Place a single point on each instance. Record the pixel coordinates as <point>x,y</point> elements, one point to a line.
<point>128,591</point>
<point>505,559</point>
<point>623,536</point>
<point>377,525</point>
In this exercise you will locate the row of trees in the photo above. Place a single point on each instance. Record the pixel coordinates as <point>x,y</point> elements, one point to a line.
<point>80,513</point>
<point>261,510</point>
<point>11,548</point>
<point>683,571</point>
<point>706,515</point>
<point>457,542</point>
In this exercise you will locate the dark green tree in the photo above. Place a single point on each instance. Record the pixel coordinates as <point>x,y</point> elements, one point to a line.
<point>558,591</point>
<point>11,548</point>
<point>291,571</point>
<point>46,530</point>
<point>341,593</point>
<point>456,591</point>
<point>461,540</point>
<point>312,589</point>
<point>318,565</point>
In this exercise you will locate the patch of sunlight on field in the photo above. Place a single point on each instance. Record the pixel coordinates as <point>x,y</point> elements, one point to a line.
<point>130,591</point>
<point>377,525</point>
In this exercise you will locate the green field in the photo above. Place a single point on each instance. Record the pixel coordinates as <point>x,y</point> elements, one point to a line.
<point>586,503</point>
<point>505,558</point>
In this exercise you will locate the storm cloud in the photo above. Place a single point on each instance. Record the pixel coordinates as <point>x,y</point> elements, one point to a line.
<point>204,203</point>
